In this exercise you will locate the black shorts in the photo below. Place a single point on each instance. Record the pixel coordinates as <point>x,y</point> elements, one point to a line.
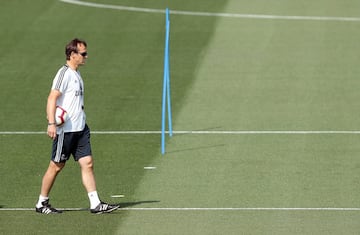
<point>75,143</point>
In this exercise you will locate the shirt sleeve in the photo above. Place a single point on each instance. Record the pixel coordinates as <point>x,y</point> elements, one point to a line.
<point>60,81</point>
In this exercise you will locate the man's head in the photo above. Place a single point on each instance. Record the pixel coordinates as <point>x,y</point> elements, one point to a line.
<point>75,51</point>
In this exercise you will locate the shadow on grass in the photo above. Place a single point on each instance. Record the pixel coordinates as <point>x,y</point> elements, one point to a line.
<point>122,205</point>
<point>131,204</point>
<point>196,148</point>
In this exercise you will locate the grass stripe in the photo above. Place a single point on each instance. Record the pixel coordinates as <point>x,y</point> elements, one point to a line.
<point>229,15</point>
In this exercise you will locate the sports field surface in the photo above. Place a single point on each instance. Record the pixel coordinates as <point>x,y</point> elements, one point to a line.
<point>265,106</point>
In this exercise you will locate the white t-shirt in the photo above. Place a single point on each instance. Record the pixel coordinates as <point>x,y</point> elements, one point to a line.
<point>71,86</point>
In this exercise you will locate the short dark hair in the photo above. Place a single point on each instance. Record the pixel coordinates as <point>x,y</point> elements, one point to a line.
<point>72,47</point>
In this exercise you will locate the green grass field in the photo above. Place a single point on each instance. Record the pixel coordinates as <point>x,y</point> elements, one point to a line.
<point>265,114</point>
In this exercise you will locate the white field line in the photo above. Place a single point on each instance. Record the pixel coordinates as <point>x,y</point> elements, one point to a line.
<point>219,132</point>
<point>195,13</point>
<point>206,209</point>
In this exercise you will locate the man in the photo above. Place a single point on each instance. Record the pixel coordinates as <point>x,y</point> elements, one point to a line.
<point>73,137</point>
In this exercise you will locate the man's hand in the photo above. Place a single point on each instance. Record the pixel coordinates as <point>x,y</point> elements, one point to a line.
<point>51,131</point>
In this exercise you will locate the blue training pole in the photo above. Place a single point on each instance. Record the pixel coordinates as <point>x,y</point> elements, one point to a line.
<point>168,79</point>
<point>166,85</point>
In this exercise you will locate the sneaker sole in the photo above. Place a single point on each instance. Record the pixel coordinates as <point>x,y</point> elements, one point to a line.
<point>47,212</point>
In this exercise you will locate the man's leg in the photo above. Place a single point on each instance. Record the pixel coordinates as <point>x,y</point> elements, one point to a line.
<point>48,180</point>
<point>88,179</point>
<point>50,176</point>
<point>87,173</point>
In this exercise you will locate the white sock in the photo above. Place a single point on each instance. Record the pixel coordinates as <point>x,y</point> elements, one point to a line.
<point>94,199</point>
<point>41,199</point>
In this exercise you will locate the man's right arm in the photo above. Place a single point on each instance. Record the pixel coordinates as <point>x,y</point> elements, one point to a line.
<point>50,111</point>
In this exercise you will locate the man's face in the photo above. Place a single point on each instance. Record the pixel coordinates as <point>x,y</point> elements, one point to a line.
<point>81,56</point>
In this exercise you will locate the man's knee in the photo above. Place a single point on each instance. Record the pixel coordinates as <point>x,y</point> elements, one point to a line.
<point>56,167</point>
<point>86,162</point>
